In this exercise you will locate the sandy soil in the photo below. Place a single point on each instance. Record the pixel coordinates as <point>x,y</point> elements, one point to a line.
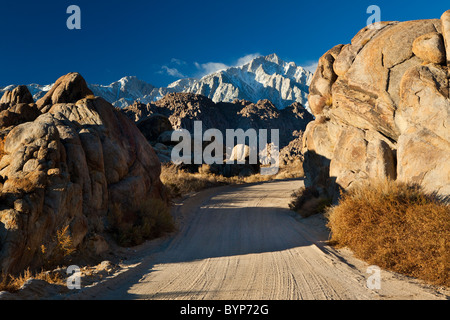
<point>242,242</point>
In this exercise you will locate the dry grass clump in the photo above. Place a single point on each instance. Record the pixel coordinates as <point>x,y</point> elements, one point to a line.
<point>395,226</point>
<point>62,250</point>
<point>179,182</point>
<point>12,283</point>
<point>25,184</point>
<point>64,242</point>
<point>308,201</point>
<point>150,220</point>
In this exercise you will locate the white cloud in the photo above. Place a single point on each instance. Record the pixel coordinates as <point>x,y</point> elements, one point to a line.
<point>178,61</point>
<point>246,59</point>
<point>209,67</point>
<point>171,72</point>
<point>312,66</point>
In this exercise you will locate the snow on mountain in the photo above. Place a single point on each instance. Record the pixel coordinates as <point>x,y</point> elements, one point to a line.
<point>265,77</point>
<point>123,92</point>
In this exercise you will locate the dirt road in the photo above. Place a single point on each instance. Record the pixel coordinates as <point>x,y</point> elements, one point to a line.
<point>242,242</point>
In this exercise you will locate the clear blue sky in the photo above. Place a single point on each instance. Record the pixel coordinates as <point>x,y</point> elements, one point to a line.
<point>158,41</point>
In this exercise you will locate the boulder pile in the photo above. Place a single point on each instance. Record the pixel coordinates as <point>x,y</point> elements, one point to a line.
<point>67,160</point>
<point>382,109</point>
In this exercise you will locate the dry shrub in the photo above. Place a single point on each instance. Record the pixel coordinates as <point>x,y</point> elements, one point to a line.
<point>149,220</point>
<point>395,226</point>
<point>308,201</point>
<point>64,243</point>
<point>12,283</point>
<point>179,182</point>
<point>62,249</point>
<point>26,184</point>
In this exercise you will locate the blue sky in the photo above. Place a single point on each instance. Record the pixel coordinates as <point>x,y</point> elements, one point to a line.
<point>161,41</point>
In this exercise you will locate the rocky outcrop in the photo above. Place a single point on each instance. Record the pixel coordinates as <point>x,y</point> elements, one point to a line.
<point>65,171</point>
<point>292,154</point>
<point>153,126</point>
<point>16,107</point>
<point>382,109</point>
<point>69,88</point>
<point>20,94</point>
<point>182,109</point>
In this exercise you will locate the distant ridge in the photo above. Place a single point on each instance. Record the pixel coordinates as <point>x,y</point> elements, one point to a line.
<point>264,77</point>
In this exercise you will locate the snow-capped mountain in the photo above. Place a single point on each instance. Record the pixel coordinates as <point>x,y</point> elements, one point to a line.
<point>123,92</point>
<point>265,77</point>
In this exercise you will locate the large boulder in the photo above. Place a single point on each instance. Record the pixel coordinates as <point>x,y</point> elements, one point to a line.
<point>16,107</point>
<point>381,105</point>
<point>67,89</point>
<point>20,94</point>
<point>66,171</point>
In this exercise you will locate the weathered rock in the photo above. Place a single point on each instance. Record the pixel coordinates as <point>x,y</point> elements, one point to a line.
<point>359,155</point>
<point>183,109</point>
<point>153,126</point>
<point>17,114</point>
<point>430,48</point>
<point>320,89</point>
<point>292,153</point>
<point>424,93</point>
<point>373,99</point>
<point>445,20</point>
<point>66,170</point>
<point>424,118</point>
<point>67,89</point>
<point>345,58</point>
<point>20,94</point>
<point>424,158</point>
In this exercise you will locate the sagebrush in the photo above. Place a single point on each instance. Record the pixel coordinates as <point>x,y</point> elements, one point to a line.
<point>395,226</point>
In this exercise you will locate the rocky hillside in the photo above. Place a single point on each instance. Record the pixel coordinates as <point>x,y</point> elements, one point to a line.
<point>66,162</point>
<point>382,108</point>
<point>182,109</point>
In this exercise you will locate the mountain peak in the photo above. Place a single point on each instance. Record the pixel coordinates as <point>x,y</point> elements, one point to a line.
<point>273,58</point>
<point>264,77</point>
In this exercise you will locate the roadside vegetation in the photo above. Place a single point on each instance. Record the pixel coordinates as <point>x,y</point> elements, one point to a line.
<point>179,182</point>
<point>308,201</point>
<point>395,226</point>
<point>12,283</point>
<point>149,220</point>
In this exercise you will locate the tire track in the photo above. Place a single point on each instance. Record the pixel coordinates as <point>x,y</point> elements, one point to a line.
<point>242,242</point>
